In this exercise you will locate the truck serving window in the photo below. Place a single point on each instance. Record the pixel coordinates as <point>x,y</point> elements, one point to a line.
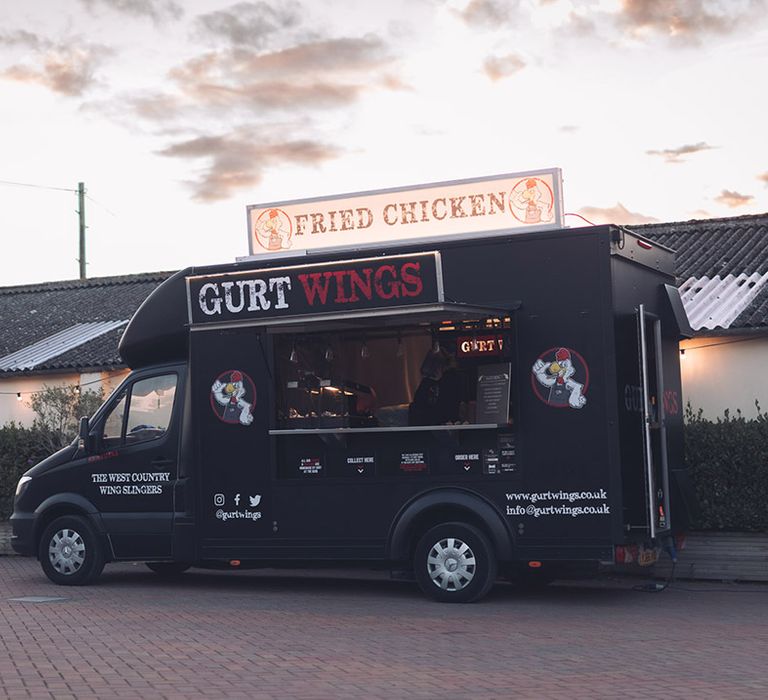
<point>393,377</point>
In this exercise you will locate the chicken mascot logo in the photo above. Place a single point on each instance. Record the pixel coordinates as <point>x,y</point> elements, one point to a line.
<point>555,375</point>
<point>233,395</point>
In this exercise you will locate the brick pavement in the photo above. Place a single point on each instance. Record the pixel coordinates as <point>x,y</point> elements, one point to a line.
<point>262,635</point>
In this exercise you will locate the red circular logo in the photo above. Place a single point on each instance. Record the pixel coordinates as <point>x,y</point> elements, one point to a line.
<point>273,230</point>
<point>233,396</point>
<point>532,201</point>
<point>560,378</point>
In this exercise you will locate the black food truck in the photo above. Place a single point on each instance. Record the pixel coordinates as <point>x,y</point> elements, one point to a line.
<point>507,405</point>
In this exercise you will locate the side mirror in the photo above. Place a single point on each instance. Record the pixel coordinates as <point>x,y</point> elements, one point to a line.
<point>84,442</point>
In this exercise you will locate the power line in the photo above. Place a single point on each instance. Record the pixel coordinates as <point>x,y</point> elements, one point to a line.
<point>103,206</point>
<point>39,187</point>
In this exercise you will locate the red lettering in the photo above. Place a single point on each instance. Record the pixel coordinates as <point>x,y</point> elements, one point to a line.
<point>412,284</point>
<point>393,287</point>
<point>313,286</point>
<point>363,285</point>
<point>341,297</point>
<point>671,404</point>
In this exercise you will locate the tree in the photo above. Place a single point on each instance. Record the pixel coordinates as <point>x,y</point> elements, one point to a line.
<point>59,409</point>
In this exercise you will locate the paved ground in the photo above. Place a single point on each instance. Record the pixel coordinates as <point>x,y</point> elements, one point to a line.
<point>266,635</point>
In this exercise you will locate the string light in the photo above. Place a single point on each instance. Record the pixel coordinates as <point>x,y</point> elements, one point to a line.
<point>77,388</point>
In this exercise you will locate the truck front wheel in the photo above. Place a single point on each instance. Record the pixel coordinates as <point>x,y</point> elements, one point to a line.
<point>70,552</point>
<point>455,563</point>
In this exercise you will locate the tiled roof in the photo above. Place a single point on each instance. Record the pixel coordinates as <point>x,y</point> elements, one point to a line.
<point>33,313</point>
<point>721,267</point>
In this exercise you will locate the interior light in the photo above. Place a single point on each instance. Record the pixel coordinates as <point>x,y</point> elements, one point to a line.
<point>329,354</point>
<point>18,396</point>
<point>294,357</point>
<point>364,351</point>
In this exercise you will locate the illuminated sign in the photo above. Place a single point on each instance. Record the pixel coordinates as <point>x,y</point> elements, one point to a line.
<point>502,204</point>
<point>479,345</point>
<point>258,295</point>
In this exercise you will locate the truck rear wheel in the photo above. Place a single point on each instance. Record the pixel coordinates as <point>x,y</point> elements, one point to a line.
<point>455,563</point>
<point>70,552</point>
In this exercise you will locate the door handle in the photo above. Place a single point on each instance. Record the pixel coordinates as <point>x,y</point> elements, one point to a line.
<point>161,462</point>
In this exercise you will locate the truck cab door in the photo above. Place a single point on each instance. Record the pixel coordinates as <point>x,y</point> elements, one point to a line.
<point>132,463</point>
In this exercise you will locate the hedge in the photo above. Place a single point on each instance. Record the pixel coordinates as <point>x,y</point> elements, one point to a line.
<point>728,463</point>
<point>20,448</point>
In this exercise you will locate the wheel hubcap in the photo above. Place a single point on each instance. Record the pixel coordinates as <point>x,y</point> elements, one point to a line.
<point>66,551</point>
<point>451,564</point>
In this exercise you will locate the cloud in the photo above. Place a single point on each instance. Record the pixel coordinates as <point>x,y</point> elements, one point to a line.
<point>685,21</point>
<point>67,68</point>
<point>498,67</point>
<point>317,75</point>
<point>250,24</point>
<point>617,214</point>
<point>763,177</point>
<point>225,110</point>
<point>569,128</point>
<point>674,155</point>
<point>489,13</point>
<point>156,10</point>
<point>21,37</point>
<point>734,199</point>
<point>240,159</point>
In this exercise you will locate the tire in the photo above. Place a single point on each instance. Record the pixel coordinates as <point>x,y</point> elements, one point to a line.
<point>70,552</point>
<point>454,563</point>
<point>168,568</point>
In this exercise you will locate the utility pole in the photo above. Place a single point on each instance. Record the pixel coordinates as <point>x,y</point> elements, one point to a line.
<point>81,213</point>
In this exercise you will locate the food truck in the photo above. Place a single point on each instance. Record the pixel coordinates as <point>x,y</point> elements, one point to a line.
<point>452,408</point>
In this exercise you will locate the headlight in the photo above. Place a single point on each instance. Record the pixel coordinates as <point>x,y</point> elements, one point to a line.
<point>22,485</point>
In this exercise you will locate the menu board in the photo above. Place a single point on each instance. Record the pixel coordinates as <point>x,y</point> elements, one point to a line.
<point>493,382</point>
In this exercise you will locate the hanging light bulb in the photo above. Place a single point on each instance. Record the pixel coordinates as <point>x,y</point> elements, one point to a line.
<point>365,353</point>
<point>400,348</point>
<point>18,396</point>
<point>294,357</point>
<point>329,354</point>
<point>77,390</point>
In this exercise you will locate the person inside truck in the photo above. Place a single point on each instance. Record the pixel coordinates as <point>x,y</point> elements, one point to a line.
<point>437,400</point>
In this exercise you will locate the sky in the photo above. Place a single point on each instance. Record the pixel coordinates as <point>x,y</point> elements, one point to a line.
<point>177,115</point>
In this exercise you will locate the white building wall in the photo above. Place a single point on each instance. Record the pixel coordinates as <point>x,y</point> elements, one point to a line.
<point>19,411</point>
<point>725,373</point>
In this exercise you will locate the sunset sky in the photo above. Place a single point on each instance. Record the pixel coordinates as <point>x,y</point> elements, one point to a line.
<point>177,115</point>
